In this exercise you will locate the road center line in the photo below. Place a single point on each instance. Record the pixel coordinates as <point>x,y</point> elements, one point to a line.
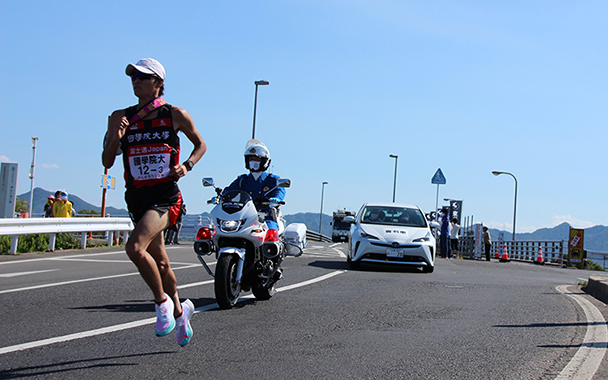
<point>143,322</point>
<point>588,358</point>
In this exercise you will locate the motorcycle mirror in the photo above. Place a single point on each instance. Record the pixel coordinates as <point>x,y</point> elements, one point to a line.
<point>293,250</point>
<point>283,182</point>
<point>208,182</point>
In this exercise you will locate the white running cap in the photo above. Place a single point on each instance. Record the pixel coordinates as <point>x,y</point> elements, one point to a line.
<point>147,66</point>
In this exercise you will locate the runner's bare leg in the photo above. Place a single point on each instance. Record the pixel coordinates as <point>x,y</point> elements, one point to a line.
<point>146,249</point>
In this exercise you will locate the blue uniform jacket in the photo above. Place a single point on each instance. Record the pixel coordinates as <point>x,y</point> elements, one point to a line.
<point>259,188</point>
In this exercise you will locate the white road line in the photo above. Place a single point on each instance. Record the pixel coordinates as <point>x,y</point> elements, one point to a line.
<point>95,260</point>
<point>60,258</point>
<point>85,280</point>
<point>143,322</point>
<point>5,275</point>
<point>588,358</point>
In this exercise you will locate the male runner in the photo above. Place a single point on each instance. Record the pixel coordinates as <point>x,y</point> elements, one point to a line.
<point>146,135</point>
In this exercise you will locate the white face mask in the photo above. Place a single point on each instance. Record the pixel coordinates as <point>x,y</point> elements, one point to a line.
<point>254,165</point>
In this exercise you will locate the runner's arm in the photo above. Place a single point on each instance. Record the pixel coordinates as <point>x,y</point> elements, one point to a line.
<point>117,124</point>
<point>183,121</point>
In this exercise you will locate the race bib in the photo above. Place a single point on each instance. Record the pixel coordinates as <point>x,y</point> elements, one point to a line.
<point>150,162</point>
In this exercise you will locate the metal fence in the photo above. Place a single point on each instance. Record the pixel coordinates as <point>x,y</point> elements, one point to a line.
<point>554,252</point>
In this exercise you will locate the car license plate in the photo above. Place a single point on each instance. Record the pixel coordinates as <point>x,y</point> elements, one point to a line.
<point>394,252</point>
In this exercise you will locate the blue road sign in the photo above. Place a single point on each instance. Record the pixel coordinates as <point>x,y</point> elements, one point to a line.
<point>438,178</point>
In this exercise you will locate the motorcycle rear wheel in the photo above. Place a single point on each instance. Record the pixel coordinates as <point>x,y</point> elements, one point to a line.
<point>227,289</point>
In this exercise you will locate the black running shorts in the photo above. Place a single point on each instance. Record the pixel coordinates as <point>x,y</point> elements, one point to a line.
<point>162,198</point>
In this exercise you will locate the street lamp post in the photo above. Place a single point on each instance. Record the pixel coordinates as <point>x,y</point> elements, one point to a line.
<point>255,102</point>
<point>515,201</point>
<point>395,180</point>
<point>34,140</point>
<point>321,215</point>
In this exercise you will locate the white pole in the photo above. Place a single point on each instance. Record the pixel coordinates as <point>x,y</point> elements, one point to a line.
<point>34,139</point>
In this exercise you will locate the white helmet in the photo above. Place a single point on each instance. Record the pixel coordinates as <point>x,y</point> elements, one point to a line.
<point>256,148</point>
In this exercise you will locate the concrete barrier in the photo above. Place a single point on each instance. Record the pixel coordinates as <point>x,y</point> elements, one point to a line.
<point>598,287</point>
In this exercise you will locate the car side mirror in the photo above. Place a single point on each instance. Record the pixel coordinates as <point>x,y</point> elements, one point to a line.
<point>434,225</point>
<point>349,219</point>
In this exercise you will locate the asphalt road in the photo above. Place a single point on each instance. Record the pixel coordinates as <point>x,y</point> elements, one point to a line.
<point>88,314</point>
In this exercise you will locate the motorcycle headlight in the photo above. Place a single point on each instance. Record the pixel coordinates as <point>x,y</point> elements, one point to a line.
<point>229,225</point>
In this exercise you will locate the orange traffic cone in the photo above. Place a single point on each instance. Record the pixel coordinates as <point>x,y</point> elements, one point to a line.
<point>497,257</point>
<point>505,256</point>
<point>539,258</point>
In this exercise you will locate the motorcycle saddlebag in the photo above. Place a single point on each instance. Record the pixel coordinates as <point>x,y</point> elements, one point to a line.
<point>295,233</point>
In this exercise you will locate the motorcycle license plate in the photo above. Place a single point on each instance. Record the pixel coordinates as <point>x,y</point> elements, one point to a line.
<point>394,252</point>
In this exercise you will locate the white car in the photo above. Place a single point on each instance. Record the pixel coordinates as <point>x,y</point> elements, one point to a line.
<point>390,233</point>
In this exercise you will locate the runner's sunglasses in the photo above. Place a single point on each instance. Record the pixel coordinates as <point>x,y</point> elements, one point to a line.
<point>141,76</point>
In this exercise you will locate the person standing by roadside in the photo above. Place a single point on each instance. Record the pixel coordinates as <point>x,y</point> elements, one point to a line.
<point>454,235</point>
<point>48,207</point>
<point>487,242</point>
<point>146,135</point>
<point>445,234</point>
<point>62,207</point>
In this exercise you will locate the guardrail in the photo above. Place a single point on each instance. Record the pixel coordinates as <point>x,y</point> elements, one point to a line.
<point>315,236</point>
<point>598,257</point>
<point>17,226</point>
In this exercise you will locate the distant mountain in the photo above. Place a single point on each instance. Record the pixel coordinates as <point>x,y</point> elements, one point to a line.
<point>596,238</point>
<point>41,196</point>
<point>312,221</point>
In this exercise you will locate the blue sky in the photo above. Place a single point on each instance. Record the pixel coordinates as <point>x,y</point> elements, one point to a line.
<point>468,87</point>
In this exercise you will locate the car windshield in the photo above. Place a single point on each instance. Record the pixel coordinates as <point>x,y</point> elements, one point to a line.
<point>393,216</point>
<point>341,225</point>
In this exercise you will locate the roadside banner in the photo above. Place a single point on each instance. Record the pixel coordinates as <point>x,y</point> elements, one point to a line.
<point>576,244</point>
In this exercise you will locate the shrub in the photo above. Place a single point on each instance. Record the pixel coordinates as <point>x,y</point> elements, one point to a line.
<point>39,243</point>
<point>591,265</point>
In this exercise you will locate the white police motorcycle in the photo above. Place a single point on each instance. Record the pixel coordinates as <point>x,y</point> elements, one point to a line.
<point>248,253</point>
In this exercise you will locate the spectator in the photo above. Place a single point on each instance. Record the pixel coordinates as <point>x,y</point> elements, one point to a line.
<point>454,234</point>
<point>48,207</point>
<point>172,232</point>
<point>62,208</point>
<point>445,234</point>
<point>487,242</point>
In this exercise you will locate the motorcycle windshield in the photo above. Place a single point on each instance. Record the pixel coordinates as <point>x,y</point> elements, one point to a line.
<point>234,201</point>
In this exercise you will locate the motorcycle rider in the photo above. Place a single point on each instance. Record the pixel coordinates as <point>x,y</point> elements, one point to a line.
<point>259,182</point>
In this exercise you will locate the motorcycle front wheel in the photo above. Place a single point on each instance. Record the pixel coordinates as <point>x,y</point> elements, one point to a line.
<point>263,293</point>
<point>227,289</point>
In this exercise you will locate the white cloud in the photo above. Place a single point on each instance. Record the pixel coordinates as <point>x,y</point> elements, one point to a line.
<point>50,166</point>
<point>5,159</point>
<point>574,222</point>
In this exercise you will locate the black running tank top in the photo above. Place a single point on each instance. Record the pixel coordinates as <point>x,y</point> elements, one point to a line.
<point>150,149</point>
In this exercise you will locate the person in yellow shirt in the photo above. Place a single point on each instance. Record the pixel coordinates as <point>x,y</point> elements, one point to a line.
<point>62,208</point>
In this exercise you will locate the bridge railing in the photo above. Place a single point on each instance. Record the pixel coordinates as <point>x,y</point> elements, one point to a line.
<point>18,226</point>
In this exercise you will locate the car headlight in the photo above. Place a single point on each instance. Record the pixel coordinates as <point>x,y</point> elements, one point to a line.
<point>364,234</point>
<point>424,239</point>
<point>230,225</point>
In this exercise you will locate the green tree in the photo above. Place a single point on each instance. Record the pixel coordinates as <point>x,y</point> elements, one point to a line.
<point>21,206</point>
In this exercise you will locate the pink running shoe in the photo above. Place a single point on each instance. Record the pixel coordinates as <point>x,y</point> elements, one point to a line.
<point>165,322</point>
<point>183,332</point>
